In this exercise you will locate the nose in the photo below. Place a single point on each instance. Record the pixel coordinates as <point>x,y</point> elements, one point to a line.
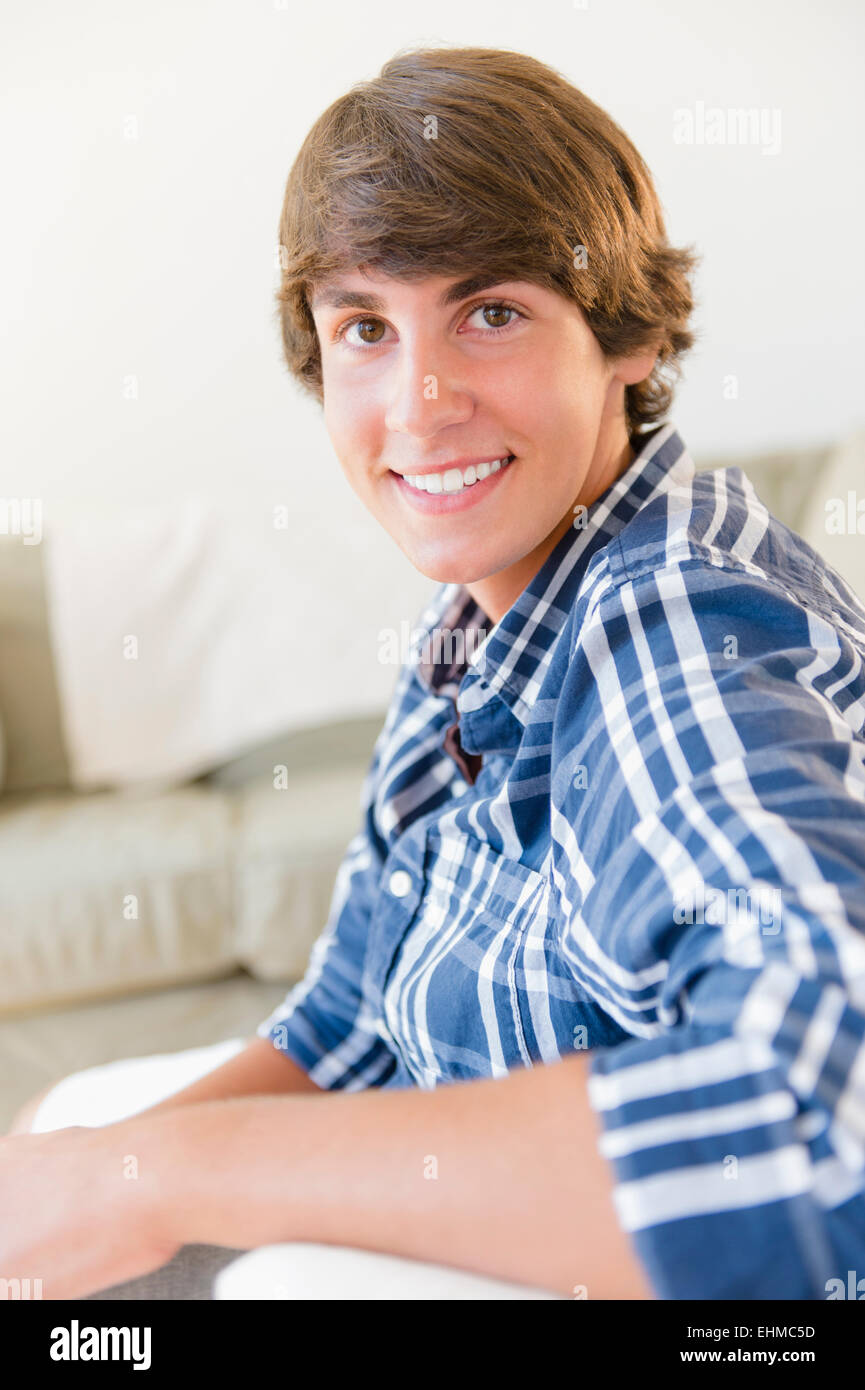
<point>428,392</point>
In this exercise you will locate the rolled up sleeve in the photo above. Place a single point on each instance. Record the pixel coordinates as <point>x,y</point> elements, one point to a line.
<point>728,1161</point>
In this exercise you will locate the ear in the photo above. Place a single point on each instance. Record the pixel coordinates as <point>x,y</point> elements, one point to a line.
<point>630,370</point>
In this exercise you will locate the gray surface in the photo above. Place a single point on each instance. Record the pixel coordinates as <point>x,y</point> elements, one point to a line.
<point>189,1275</point>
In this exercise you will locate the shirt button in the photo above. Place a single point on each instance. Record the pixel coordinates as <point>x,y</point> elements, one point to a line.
<point>400,883</point>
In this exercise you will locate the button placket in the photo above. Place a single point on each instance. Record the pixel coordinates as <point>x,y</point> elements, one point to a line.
<point>394,909</point>
<point>402,893</point>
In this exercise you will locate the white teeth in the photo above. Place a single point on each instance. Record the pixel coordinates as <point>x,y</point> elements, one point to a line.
<point>455,479</point>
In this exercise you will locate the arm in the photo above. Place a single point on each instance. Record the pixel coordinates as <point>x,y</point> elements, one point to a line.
<point>258,1070</point>
<point>502,1177</point>
<point>723,924</point>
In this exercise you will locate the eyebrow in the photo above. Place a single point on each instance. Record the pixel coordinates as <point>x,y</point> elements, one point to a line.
<point>362,299</point>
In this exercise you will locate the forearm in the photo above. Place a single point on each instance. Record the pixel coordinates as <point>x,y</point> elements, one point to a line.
<point>502,1177</point>
<point>258,1070</point>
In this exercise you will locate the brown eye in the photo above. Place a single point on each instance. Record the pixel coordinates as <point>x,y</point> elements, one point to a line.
<point>497,311</point>
<point>370,329</point>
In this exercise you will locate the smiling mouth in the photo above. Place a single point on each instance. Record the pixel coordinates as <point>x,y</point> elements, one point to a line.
<point>450,482</point>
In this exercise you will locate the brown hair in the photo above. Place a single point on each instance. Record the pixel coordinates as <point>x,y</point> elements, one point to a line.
<point>521,171</point>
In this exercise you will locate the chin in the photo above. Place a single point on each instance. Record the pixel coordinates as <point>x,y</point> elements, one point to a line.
<point>439,574</point>
<point>453,569</point>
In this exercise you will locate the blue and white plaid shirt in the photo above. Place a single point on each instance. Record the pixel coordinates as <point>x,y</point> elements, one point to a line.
<point>645,836</point>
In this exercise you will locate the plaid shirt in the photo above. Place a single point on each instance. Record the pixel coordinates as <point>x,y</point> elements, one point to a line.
<point>630,817</point>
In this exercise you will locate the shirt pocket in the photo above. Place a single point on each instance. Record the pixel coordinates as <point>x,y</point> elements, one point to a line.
<point>453,974</point>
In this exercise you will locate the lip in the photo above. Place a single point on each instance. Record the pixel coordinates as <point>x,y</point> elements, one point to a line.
<point>433,503</point>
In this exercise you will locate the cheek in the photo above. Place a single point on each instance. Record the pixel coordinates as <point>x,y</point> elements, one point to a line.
<point>348,420</point>
<point>547,393</point>
<point>574,406</point>
<point>546,410</point>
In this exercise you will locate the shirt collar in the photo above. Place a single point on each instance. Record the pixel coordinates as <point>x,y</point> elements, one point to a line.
<point>461,655</point>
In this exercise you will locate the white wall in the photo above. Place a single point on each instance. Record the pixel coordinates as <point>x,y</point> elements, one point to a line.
<point>153,257</point>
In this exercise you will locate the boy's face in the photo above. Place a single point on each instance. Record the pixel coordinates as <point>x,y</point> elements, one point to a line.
<point>414,385</point>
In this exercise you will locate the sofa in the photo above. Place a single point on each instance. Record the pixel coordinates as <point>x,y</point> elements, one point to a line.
<point>159,918</point>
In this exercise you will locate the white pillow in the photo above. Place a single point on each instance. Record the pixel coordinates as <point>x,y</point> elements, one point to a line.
<point>188,634</point>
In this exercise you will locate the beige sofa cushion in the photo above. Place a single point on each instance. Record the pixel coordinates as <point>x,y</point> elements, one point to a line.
<point>101,894</point>
<point>798,485</point>
<point>829,501</point>
<point>38,1048</point>
<point>29,702</point>
<point>104,893</point>
<point>288,848</point>
<point>783,478</point>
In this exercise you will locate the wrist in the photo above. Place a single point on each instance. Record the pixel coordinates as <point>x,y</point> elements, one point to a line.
<point>214,1172</point>
<point>158,1160</point>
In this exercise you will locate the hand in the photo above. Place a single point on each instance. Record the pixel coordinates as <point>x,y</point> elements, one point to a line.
<point>75,1213</point>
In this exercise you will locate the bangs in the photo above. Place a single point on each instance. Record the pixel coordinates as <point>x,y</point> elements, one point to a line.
<point>387,195</point>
